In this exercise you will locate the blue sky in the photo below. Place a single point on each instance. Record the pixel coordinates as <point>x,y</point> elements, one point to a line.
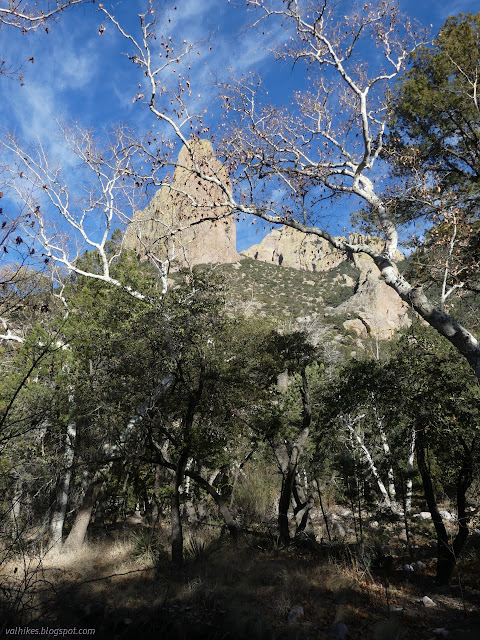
<point>80,76</point>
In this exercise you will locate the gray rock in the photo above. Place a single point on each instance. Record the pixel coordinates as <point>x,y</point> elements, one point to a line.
<point>423,515</point>
<point>419,565</point>
<point>428,602</point>
<point>440,632</point>
<point>295,614</point>
<point>446,515</point>
<point>408,568</point>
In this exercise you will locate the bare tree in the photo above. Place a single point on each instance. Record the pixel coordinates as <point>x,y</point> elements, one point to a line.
<point>328,145</point>
<point>30,16</point>
<point>63,220</point>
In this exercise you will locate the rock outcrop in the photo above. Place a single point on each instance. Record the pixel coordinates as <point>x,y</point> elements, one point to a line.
<point>374,309</point>
<point>291,248</point>
<point>164,230</point>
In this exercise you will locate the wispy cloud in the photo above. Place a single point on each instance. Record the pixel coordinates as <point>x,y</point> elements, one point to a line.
<point>455,7</point>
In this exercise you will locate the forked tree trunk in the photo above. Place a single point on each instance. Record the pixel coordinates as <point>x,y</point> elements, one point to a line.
<point>220,501</point>
<point>76,537</point>
<point>288,462</point>
<point>305,502</point>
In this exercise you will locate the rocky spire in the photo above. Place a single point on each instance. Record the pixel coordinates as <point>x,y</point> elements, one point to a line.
<point>164,227</point>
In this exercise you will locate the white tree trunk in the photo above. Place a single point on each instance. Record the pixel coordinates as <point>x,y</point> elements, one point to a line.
<point>410,461</point>
<point>15,512</point>
<point>386,449</point>
<point>58,516</point>
<point>350,425</point>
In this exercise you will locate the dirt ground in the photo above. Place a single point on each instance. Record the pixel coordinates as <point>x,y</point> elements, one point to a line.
<point>249,589</point>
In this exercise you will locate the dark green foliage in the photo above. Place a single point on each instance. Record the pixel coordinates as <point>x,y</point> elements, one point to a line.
<point>434,145</point>
<point>434,110</point>
<point>435,390</point>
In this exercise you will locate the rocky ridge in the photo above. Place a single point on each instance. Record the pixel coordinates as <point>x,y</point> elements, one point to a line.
<point>291,248</point>
<point>164,231</point>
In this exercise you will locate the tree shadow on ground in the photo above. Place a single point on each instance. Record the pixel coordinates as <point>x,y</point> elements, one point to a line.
<point>241,591</point>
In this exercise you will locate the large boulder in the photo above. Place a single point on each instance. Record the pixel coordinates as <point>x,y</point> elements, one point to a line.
<point>183,223</point>
<point>375,308</point>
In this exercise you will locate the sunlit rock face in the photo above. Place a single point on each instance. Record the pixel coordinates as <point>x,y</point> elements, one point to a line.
<point>374,309</point>
<point>182,223</point>
<point>291,248</point>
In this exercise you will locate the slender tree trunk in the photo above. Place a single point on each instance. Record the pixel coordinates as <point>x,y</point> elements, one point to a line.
<point>16,508</point>
<point>350,425</point>
<point>236,474</point>
<point>359,502</point>
<point>156,492</point>
<point>304,505</point>
<point>325,519</point>
<point>58,516</point>
<point>180,468</point>
<point>176,517</point>
<point>410,461</point>
<point>352,505</point>
<point>288,479</point>
<point>388,456</point>
<point>447,553</point>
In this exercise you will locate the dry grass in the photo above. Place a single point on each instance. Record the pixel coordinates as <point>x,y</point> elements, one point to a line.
<point>224,591</point>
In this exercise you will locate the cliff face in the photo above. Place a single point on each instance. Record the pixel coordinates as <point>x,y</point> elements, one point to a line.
<point>164,229</point>
<point>291,248</point>
<point>374,309</point>
<point>173,227</point>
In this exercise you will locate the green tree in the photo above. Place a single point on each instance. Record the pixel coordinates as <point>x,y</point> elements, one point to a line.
<point>435,146</point>
<point>439,396</point>
<point>436,107</point>
<point>288,419</point>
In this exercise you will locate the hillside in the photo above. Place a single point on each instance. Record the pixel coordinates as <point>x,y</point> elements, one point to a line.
<point>291,299</point>
<point>298,280</point>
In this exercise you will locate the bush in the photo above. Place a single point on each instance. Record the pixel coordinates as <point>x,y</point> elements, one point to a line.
<point>256,494</point>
